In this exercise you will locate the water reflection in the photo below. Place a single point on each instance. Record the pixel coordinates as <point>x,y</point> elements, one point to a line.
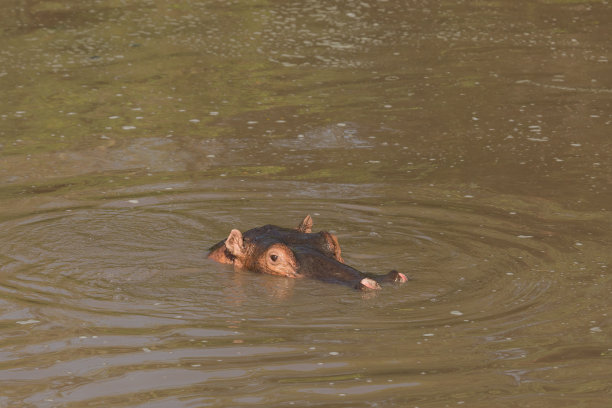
<point>269,287</point>
<point>338,136</point>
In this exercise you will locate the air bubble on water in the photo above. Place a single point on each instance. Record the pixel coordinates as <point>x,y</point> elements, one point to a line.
<point>596,329</point>
<point>29,321</point>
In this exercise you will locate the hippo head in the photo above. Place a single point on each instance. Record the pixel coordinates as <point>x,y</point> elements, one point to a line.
<point>271,249</point>
<point>294,253</point>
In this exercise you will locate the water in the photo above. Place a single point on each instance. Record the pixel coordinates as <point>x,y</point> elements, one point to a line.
<point>464,144</point>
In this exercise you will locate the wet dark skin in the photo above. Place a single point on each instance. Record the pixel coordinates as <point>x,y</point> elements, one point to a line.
<point>295,253</point>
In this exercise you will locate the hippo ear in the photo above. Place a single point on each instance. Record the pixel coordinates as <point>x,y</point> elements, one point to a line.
<point>305,225</point>
<point>234,243</point>
<point>335,246</point>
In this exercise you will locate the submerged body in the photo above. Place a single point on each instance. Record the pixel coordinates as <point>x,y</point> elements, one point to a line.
<point>295,253</point>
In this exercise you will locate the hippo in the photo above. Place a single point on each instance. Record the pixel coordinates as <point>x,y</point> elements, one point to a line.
<point>295,253</point>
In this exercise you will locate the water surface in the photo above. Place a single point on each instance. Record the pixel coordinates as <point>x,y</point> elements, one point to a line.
<point>465,144</point>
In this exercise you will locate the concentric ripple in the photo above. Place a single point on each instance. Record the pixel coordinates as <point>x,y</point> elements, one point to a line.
<point>116,301</point>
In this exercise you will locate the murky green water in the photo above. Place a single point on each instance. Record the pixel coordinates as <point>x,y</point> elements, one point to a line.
<point>466,144</point>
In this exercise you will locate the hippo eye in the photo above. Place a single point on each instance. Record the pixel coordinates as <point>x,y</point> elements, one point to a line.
<point>274,257</point>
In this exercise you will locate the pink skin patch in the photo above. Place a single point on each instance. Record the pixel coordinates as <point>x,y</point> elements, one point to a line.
<point>402,277</point>
<point>370,283</point>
